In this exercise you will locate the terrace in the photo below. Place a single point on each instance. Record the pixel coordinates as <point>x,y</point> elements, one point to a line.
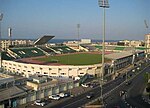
<point>63,49</point>
<point>48,50</point>
<point>27,52</point>
<point>6,56</point>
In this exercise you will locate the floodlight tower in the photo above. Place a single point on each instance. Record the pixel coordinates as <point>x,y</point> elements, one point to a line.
<point>78,28</point>
<point>103,4</point>
<point>146,25</point>
<point>1,17</point>
<point>10,35</point>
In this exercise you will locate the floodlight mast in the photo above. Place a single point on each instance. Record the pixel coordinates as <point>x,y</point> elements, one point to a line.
<point>10,35</point>
<point>1,17</point>
<point>146,26</point>
<point>104,4</point>
<point>78,27</point>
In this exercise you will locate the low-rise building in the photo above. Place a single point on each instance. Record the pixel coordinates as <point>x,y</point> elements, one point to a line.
<point>6,43</point>
<point>6,80</point>
<point>38,87</point>
<point>41,82</point>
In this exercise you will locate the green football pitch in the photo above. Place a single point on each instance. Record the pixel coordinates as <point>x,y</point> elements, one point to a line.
<point>74,59</point>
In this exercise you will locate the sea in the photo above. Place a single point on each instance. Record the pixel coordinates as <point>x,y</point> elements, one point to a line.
<point>65,40</point>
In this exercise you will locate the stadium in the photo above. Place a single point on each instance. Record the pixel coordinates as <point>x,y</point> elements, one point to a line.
<point>64,60</point>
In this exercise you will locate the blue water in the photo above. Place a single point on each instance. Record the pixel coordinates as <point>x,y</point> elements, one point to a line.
<point>65,40</point>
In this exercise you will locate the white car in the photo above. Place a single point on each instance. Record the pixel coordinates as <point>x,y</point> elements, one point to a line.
<point>64,95</point>
<point>39,103</point>
<point>54,97</point>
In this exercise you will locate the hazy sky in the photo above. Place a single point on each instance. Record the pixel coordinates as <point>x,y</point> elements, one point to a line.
<point>34,18</point>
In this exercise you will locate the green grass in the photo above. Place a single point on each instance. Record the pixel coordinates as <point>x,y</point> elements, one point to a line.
<point>75,59</point>
<point>119,48</point>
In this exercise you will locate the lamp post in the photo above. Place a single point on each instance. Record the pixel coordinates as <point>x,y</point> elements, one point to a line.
<point>1,17</point>
<point>103,4</point>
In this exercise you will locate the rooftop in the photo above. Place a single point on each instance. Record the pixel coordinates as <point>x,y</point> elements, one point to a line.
<point>43,40</point>
<point>120,54</point>
<point>11,93</point>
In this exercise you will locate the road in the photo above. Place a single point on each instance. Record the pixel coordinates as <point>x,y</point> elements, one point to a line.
<point>134,94</point>
<point>81,99</point>
<point>112,98</point>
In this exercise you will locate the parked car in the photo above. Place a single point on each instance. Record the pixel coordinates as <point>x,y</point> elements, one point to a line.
<point>128,83</point>
<point>90,95</point>
<point>39,103</point>
<point>54,97</point>
<point>64,95</point>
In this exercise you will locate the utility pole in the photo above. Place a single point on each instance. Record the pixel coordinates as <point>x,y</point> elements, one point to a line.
<point>103,4</point>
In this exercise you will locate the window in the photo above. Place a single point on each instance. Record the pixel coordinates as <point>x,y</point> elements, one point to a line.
<point>70,69</point>
<point>45,73</point>
<point>81,73</point>
<point>53,73</point>
<point>80,68</point>
<point>63,73</point>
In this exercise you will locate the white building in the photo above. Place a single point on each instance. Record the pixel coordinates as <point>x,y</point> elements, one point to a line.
<point>6,43</point>
<point>86,41</point>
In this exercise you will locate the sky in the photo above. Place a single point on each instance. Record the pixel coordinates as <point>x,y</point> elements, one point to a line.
<point>30,19</point>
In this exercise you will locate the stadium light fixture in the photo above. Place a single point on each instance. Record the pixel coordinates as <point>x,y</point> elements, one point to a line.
<point>103,4</point>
